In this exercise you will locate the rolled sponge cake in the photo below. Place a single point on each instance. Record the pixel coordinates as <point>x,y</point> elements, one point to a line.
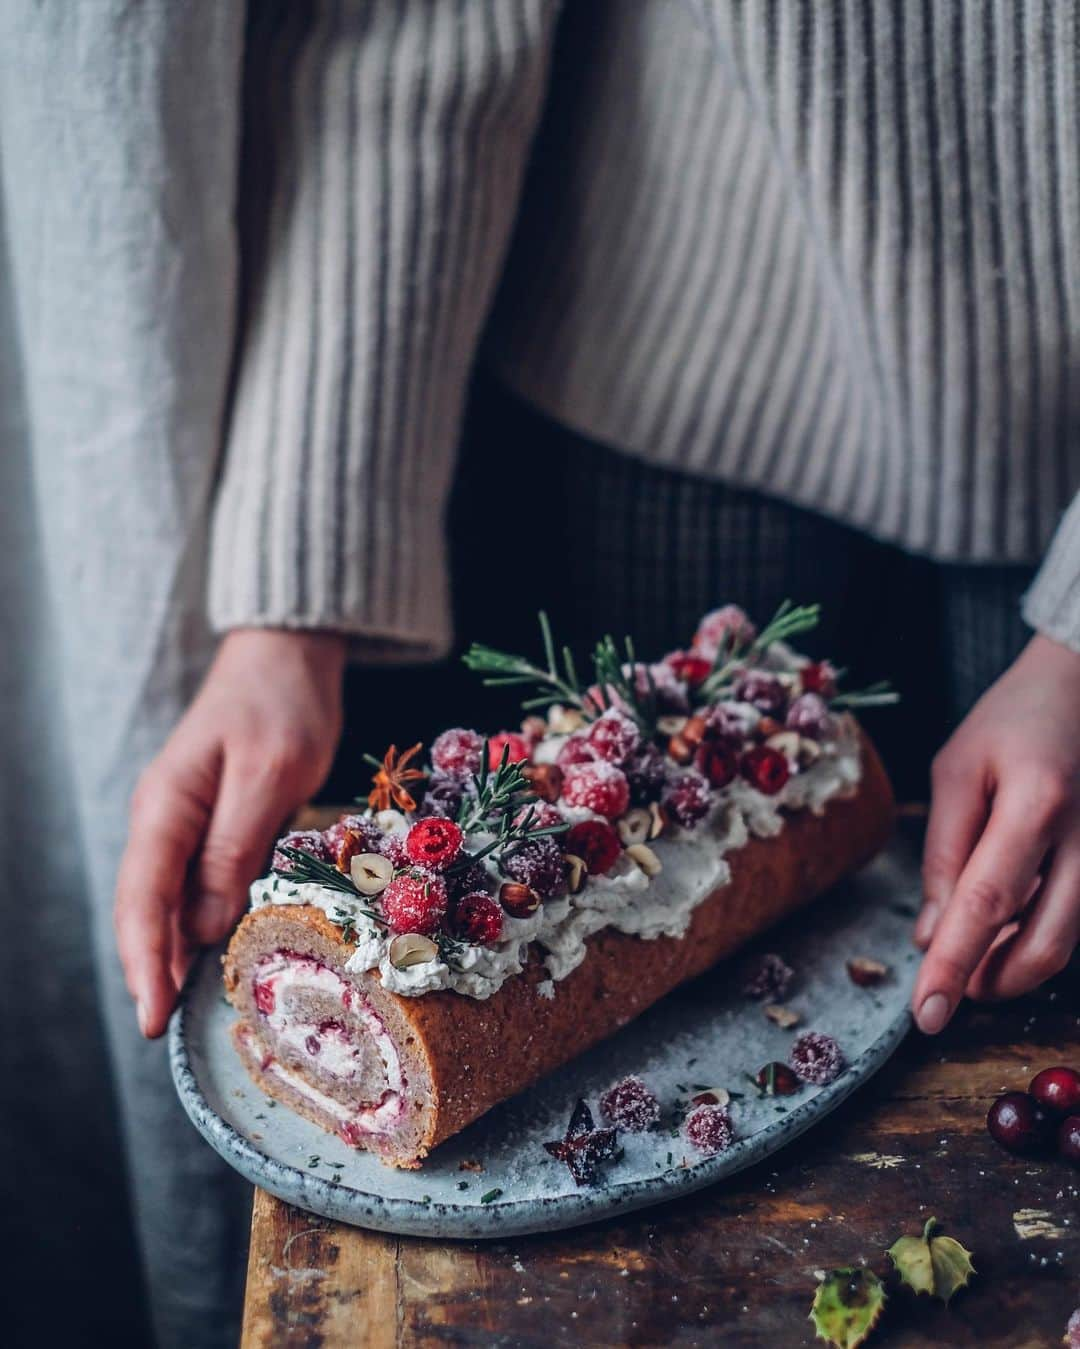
<point>398,1075</point>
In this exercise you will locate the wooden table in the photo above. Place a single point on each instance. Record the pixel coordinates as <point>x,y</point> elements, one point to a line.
<point>734,1265</point>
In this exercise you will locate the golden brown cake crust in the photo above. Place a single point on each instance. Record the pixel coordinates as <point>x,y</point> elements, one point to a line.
<point>479,1053</point>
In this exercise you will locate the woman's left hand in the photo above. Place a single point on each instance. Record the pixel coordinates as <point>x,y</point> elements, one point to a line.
<point>1001,868</point>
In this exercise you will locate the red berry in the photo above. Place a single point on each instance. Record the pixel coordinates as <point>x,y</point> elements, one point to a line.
<point>708,1128</point>
<point>1057,1090</point>
<point>816,1058</point>
<point>478,919</point>
<point>596,843</point>
<point>434,842</point>
<point>443,795</point>
<point>645,773</point>
<point>393,846</point>
<point>1068,1139</point>
<point>809,715</point>
<point>819,677</point>
<point>777,1079</point>
<point>457,752</point>
<point>718,762</point>
<point>691,668</point>
<point>264,998</point>
<point>686,798</point>
<point>761,690</point>
<point>516,745</point>
<point>598,786</point>
<point>1018,1123</point>
<point>764,768</point>
<point>414,903</point>
<point>727,625</point>
<point>613,736</point>
<point>575,749</point>
<point>767,976</point>
<point>540,815</point>
<point>537,864</point>
<point>630,1105</point>
<point>309,841</point>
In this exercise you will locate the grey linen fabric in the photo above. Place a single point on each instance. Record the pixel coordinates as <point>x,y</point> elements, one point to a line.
<point>825,250</point>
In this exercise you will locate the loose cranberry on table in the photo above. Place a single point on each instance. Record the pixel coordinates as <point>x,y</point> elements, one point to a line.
<point>1057,1090</point>
<point>630,1105</point>
<point>709,1129</point>
<point>1018,1123</point>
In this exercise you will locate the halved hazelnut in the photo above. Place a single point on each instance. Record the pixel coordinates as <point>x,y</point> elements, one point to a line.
<point>712,1096</point>
<point>785,743</point>
<point>645,858</point>
<point>809,751</point>
<point>865,972</point>
<point>411,948</point>
<point>371,872</point>
<point>658,820</point>
<point>545,779</point>
<point>519,901</point>
<point>565,720</point>
<point>576,872</point>
<point>784,1017</point>
<point>634,826</point>
<point>671,724</point>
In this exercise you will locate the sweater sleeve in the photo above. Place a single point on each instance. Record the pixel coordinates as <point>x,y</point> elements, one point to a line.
<point>397,133</point>
<point>1052,604</point>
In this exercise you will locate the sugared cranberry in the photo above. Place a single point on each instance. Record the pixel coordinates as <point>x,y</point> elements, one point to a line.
<point>1018,1123</point>
<point>457,752</point>
<point>613,736</point>
<point>686,798</point>
<point>645,774</point>
<point>478,919</point>
<point>727,626</point>
<point>709,1129</point>
<point>777,1079</point>
<point>442,796</point>
<point>539,815</point>
<point>688,666</point>
<point>718,761</point>
<point>414,903</point>
<point>308,841</point>
<point>515,745</point>
<point>761,690</point>
<point>765,768</point>
<point>630,1105</point>
<point>809,715</point>
<point>1068,1139</point>
<point>537,863</point>
<point>597,786</point>
<point>1057,1090</point>
<point>816,1058</point>
<point>819,677</point>
<point>767,977</point>
<point>264,998</point>
<point>596,843</point>
<point>575,749</point>
<point>434,842</point>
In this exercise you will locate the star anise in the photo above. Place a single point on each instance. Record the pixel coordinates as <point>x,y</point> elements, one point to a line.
<point>391,778</point>
<point>584,1146</point>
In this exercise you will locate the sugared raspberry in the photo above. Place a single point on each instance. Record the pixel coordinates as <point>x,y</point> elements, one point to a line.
<point>767,977</point>
<point>630,1105</point>
<point>809,715</point>
<point>464,880</point>
<point>613,736</point>
<point>309,841</point>
<point>689,666</point>
<point>816,1058</point>
<point>761,690</point>
<point>596,843</point>
<point>443,796</point>
<point>537,863</point>
<point>457,752</point>
<point>575,749</point>
<point>718,762</point>
<point>516,745</point>
<point>819,677</point>
<point>645,774</point>
<point>434,842</point>
<point>726,625</point>
<point>709,1129</point>
<point>414,903</point>
<point>686,798</point>
<point>598,786</point>
<point>539,814</point>
<point>478,919</point>
<point>764,768</point>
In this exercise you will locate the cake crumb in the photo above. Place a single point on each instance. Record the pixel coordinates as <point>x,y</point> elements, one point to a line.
<point>546,988</point>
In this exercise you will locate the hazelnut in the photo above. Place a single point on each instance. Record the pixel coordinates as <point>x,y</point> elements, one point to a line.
<point>645,858</point>
<point>680,749</point>
<point>545,779</point>
<point>809,751</point>
<point>712,1096</point>
<point>786,743</point>
<point>519,901</point>
<point>658,820</point>
<point>695,730</point>
<point>410,948</point>
<point>576,872</point>
<point>634,826</point>
<point>784,1017</point>
<point>866,972</point>
<point>371,872</point>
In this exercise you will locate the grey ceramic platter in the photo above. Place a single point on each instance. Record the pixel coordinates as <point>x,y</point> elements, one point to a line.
<point>704,1035</point>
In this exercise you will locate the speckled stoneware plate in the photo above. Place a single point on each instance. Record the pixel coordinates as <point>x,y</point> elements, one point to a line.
<point>706,1034</point>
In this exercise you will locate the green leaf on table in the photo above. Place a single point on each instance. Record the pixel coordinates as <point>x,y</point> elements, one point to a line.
<point>847,1306</point>
<point>932,1264</point>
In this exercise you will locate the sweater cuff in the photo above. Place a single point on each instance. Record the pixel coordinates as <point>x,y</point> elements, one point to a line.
<point>1052,604</point>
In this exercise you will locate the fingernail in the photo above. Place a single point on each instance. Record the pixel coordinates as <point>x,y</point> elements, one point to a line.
<point>925,924</point>
<point>933,1013</point>
<point>140,1013</point>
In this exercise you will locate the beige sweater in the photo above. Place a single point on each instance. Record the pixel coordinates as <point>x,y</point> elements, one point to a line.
<point>830,251</point>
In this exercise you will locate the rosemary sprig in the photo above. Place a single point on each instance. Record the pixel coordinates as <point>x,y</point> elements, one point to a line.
<point>618,674</point>
<point>308,870</point>
<point>789,621</point>
<point>506,795</point>
<point>555,684</point>
<point>881,694</point>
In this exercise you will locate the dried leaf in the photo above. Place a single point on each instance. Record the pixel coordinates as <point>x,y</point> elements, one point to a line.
<point>931,1264</point>
<point>847,1306</point>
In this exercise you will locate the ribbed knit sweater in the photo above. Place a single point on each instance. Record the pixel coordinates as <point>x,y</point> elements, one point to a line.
<point>826,250</point>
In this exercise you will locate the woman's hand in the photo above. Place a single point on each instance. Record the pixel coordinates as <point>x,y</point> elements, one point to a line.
<point>256,742</point>
<point>1001,870</point>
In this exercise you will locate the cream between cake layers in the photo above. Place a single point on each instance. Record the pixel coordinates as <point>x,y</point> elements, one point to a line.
<point>632,827</point>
